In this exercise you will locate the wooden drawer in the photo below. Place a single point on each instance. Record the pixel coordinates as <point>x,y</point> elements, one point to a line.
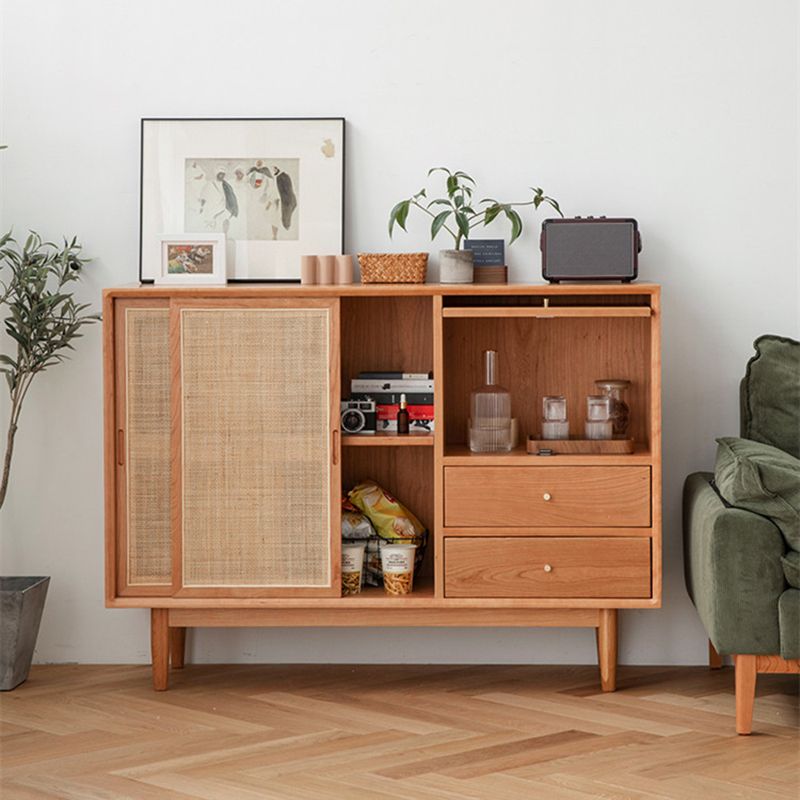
<point>547,567</point>
<point>547,496</point>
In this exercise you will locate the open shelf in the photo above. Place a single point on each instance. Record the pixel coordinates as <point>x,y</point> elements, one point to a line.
<point>379,439</point>
<point>554,350</point>
<point>461,455</point>
<point>376,595</point>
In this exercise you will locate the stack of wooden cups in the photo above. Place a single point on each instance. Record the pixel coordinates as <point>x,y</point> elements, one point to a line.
<point>326,270</point>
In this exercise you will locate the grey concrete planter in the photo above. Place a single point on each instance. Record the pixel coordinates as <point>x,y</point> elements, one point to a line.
<point>455,266</point>
<point>21,606</point>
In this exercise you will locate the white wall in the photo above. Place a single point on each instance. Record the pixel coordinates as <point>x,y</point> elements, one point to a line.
<point>682,114</point>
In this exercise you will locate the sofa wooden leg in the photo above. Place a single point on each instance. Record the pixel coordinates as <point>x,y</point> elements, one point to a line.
<point>714,658</point>
<point>159,647</point>
<point>745,667</point>
<point>177,647</point>
<point>607,649</point>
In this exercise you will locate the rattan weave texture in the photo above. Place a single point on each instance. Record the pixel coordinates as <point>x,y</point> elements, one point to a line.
<point>147,377</point>
<point>256,447</point>
<point>393,267</point>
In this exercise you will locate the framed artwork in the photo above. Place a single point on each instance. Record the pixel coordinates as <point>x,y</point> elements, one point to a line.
<point>273,187</point>
<point>187,258</point>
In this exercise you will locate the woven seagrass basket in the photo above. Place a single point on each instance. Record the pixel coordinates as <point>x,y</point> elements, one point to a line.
<point>393,267</point>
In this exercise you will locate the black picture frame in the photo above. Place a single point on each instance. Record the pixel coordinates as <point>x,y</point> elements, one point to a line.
<point>144,120</point>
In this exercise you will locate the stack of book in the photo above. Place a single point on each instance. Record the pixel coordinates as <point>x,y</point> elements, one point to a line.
<point>385,389</point>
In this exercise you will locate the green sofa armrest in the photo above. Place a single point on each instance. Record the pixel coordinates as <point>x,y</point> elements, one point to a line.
<point>732,564</point>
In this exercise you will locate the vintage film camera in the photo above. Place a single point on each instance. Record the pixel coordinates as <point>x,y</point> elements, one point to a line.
<point>359,416</point>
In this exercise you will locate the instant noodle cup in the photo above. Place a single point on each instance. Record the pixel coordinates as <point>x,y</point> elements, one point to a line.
<point>397,561</point>
<point>352,567</point>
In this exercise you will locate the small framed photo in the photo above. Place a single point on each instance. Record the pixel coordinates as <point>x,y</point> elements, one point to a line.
<point>274,187</point>
<point>191,259</point>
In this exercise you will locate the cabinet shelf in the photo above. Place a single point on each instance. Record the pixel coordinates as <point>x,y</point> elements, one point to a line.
<point>388,440</point>
<point>461,455</point>
<point>545,312</point>
<point>377,596</point>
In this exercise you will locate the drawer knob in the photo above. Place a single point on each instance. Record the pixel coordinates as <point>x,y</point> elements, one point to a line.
<point>548,568</point>
<point>547,496</point>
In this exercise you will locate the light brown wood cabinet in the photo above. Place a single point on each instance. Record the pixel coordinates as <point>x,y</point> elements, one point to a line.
<point>225,464</point>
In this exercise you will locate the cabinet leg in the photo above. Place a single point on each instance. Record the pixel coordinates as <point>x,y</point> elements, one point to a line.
<point>159,647</point>
<point>607,649</point>
<point>714,658</point>
<point>745,667</point>
<point>177,647</point>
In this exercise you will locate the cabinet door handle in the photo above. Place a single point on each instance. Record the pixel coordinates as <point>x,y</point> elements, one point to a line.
<point>335,446</point>
<point>120,447</point>
<point>547,496</point>
<point>548,568</point>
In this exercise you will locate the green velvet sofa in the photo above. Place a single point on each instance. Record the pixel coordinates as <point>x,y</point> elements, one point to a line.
<point>736,561</point>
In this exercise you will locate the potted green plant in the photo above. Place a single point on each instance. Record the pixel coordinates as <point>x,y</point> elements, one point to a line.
<point>458,214</point>
<point>42,320</point>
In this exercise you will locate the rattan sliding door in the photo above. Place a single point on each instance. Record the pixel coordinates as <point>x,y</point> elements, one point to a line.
<point>142,414</point>
<point>256,471</point>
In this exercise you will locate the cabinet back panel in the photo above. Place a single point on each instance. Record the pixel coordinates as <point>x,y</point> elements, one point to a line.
<point>540,357</point>
<point>255,392</point>
<point>146,420</point>
<point>387,334</point>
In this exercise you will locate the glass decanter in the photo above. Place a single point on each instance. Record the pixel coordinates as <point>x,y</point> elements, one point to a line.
<point>490,412</point>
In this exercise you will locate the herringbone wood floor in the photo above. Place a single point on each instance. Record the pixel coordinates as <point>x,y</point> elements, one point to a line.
<point>389,733</point>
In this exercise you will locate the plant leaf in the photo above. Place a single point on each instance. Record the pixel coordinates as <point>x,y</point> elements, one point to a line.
<point>460,174</point>
<point>516,223</point>
<point>491,213</point>
<point>438,222</point>
<point>463,223</point>
<point>398,215</point>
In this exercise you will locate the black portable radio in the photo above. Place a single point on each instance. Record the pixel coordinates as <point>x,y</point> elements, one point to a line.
<point>590,248</point>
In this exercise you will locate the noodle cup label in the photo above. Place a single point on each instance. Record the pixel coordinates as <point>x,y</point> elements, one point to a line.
<point>397,557</point>
<point>352,557</point>
<point>352,568</point>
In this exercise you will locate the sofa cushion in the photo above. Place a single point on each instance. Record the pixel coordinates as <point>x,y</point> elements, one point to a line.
<point>770,394</point>
<point>791,568</point>
<point>789,617</point>
<point>762,479</point>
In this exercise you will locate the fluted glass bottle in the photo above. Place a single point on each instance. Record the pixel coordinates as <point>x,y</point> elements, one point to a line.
<point>490,412</point>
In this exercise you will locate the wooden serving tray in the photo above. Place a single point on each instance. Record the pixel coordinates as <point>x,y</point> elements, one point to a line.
<point>611,447</point>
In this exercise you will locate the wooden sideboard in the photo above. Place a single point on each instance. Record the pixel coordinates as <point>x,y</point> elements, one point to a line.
<point>225,465</point>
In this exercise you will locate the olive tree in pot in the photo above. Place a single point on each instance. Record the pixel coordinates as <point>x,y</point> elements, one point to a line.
<point>42,321</point>
<point>458,214</point>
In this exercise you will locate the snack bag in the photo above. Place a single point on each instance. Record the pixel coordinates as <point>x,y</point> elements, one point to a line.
<point>392,520</point>
<point>355,525</point>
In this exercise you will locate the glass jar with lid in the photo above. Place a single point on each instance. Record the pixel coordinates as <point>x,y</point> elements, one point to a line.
<point>598,420</point>
<point>619,411</point>
<point>554,417</point>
